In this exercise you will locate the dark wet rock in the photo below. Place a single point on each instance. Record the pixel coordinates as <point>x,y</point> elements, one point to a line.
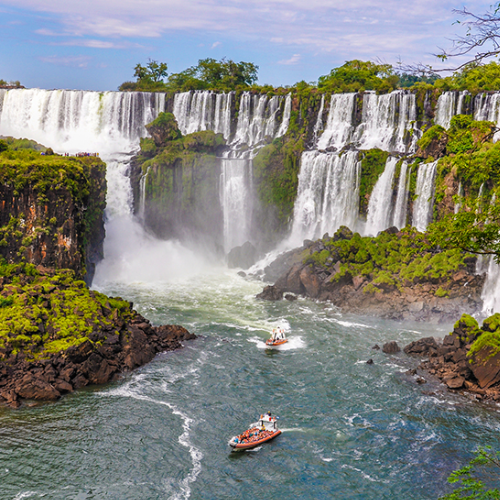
<point>420,381</point>
<point>243,274</point>
<point>271,293</point>
<point>391,348</point>
<point>290,297</point>
<point>376,347</point>
<point>452,363</point>
<point>244,256</point>
<point>370,362</point>
<point>136,343</point>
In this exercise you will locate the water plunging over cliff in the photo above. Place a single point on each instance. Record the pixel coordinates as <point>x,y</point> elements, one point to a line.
<point>340,123</point>
<point>258,123</point>
<point>203,110</point>
<point>388,122</point>
<point>401,206</point>
<point>111,124</point>
<point>236,201</point>
<point>379,206</point>
<point>328,195</point>
<point>424,191</point>
<point>449,104</point>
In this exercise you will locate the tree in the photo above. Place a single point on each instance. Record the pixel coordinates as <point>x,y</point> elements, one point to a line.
<point>472,487</point>
<point>359,75</point>
<point>482,38</point>
<point>214,75</point>
<point>153,72</point>
<point>149,78</point>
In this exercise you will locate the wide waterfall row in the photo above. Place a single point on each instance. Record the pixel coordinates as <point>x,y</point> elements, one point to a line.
<point>260,118</point>
<point>484,106</point>
<point>73,120</point>
<point>388,122</point>
<point>328,196</point>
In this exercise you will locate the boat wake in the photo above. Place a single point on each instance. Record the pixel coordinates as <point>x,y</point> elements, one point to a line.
<point>293,343</point>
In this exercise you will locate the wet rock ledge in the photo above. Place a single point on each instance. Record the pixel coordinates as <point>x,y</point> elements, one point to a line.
<point>468,359</point>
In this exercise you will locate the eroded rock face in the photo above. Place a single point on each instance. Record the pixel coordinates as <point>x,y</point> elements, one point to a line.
<point>61,231</point>
<point>136,344</point>
<point>304,271</point>
<point>455,365</point>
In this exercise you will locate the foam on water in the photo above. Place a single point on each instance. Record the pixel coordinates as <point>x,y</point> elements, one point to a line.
<point>132,389</point>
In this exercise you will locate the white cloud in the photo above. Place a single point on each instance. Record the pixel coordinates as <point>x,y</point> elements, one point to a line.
<point>74,61</point>
<point>293,60</point>
<point>377,27</point>
<point>216,44</point>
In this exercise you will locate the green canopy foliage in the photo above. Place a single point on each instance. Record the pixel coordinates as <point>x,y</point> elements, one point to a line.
<point>208,74</point>
<point>356,75</point>
<point>468,478</point>
<point>224,75</point>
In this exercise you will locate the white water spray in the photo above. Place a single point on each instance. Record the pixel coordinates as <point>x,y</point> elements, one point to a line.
<point>423,205</point>
<point>379,206</point>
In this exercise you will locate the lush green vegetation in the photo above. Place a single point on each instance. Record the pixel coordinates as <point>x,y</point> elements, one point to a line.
<point>391,261</point>
<point>208,74</point>
<point>58,184</point>
<point>50,312</point>
<point>474,160</point>
<point>372,165</point>
<point>355,76</point>
<point>470,479</point>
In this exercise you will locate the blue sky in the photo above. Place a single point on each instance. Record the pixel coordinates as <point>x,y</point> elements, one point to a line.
<point>95,44</point>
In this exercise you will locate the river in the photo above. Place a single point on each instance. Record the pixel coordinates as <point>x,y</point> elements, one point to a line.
<point>350,430</point>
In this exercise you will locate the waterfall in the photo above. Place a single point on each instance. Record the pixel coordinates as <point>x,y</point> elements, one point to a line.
<point>387,122</point>
<point>318,126</point>
<point>203,110</point>
<point>340,122</point>
<point>379,206</point>
<point>71,121</point>
<point>424,191</point>
<point>236,201</point>
<point>449,104</point>
<point>286,116</point>
<point>460,193</point>
<point>142,194</point>
<point>399,218</point>
<point>328,194</point>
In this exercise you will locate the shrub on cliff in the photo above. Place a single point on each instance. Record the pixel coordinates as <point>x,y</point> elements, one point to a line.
<point>48,311</point>
<point>389,260</point>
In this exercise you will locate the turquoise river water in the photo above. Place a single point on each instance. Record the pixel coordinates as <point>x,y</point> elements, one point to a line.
<point>350,430</point>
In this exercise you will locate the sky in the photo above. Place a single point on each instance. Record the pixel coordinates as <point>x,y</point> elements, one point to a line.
<point>95,44</point>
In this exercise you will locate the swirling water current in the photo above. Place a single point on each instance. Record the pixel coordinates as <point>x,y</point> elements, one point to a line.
<point>351,430</point>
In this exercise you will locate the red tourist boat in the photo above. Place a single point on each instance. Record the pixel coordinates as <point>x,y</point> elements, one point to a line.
<point>260,432</point>
<point>277,338</point>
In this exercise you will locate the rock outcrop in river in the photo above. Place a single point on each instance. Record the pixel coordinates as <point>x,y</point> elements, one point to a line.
<point>396,275</point>
<point>467,360</point>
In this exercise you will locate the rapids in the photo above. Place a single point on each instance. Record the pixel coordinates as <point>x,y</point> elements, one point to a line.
<point>351,430</point>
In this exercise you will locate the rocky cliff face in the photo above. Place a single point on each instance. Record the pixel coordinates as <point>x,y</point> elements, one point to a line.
<point>176,182</point>
<point>56,335</point>
<point>466,360</point>
<point>52,210</point>
<point>393,276</point>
